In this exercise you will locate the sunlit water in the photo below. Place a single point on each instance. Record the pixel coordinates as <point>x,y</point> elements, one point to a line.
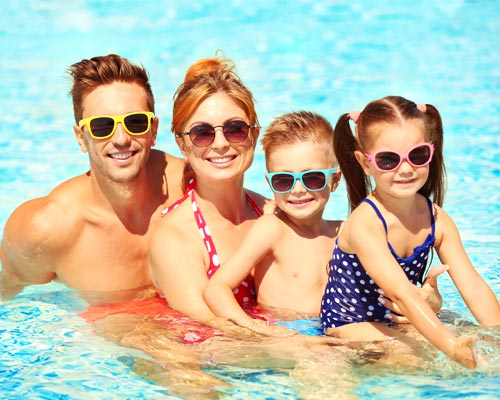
<point>330,57</point>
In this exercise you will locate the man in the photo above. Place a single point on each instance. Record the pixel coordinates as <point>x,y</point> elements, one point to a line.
<point>91,232</point>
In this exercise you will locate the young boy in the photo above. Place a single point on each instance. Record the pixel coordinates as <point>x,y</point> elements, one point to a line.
<point>289,250</point>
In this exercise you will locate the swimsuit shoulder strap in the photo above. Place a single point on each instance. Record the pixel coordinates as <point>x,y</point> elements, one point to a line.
<point>189,189</point>
<point>379,214</point>
<point>431,209</point>
<point>254,205</point>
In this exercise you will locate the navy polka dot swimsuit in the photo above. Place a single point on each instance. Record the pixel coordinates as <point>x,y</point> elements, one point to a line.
<point>351,295</point>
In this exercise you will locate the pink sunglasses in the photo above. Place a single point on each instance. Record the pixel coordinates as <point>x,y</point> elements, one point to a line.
<point>389,160</point>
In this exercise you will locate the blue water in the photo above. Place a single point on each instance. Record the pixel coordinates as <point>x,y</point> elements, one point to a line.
<point>326,56</point>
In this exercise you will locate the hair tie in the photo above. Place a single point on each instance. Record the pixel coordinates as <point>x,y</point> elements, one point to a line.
<point>422,107</point>
<point>354,115</point>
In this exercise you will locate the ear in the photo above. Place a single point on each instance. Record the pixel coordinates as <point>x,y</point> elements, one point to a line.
<point>80,138</point>
<point>336,180</point>
<point>363,161</point>
<point>181,143</point>
<point>255,135</point>
<point>154,130</point>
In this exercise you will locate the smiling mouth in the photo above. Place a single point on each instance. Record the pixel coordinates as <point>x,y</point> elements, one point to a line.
<point>406,181</point>
<point>300,201</point>
<point>221,160</point>
<point>121,156</point>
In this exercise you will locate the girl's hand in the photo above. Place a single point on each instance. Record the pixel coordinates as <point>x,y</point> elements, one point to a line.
<point>462,351</point>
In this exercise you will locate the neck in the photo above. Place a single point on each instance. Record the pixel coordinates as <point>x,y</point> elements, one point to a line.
<point>398,206</point>
<point>228,198</point>
<point>309,227</point>
<point>133,202</point>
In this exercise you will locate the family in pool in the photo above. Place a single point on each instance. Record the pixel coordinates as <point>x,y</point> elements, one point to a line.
<point>146,227</point>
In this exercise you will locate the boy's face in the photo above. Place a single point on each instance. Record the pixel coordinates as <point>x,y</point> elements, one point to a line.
<point>299,202</point>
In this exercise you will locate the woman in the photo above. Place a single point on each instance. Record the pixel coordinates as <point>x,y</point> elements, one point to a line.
<point>216,129</point>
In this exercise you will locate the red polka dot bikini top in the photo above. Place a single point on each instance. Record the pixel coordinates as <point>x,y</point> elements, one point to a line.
<point>245,292</point>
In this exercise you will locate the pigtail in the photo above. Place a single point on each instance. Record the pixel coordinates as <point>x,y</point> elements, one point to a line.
<point>435,186</point>
<point>344,145</point>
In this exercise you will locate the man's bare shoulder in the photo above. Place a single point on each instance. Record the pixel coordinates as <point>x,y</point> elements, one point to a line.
<point>47,219</point>
<point>37,232</point>
<point>168,169</point>
<point>165,160</point>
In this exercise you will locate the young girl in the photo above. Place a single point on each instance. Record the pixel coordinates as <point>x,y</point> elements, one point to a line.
<point>386,241</point>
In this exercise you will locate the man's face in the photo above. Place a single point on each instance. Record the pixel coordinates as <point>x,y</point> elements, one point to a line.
<point>122,157</point>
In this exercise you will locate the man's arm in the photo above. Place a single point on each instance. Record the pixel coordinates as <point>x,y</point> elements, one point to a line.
<point>26,249</point>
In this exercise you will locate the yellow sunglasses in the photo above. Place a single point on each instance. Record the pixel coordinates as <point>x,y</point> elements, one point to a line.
<point>104,126</point>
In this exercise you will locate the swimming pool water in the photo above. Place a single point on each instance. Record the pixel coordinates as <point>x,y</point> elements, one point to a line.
<point>326,56</point>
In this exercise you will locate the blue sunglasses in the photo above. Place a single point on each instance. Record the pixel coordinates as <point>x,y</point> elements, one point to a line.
<point>313,180</point>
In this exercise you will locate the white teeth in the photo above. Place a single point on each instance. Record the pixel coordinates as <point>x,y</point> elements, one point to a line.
<point>221,160</point>
<point>121,156</point>
<point>300,201</point>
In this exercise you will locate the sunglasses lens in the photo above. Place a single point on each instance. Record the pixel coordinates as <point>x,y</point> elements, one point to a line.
<point>282,183</point>
<point>235,131</point>
<point>137,124</point>
<point>202,135</point>
<point>420,155</point>
<point>387,160</point>
<point>314,180</point>
<point>102,126</point>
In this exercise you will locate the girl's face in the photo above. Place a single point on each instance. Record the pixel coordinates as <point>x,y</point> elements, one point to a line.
<point>405,180</point>
<point>220,160</point>
<point>300,203</point>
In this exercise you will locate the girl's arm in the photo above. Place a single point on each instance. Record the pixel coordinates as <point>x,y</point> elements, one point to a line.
<point>218,294</point>
<point>478,296</point>
<point>367,239</point>
<point>429,292</point>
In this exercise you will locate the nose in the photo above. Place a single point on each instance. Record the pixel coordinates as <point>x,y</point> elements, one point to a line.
<point>298,187</point>
<point>220,140</point>
<point>405,166</point>
<point>121,137</point>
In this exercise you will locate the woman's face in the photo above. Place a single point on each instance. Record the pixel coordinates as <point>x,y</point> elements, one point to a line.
<point>220,160</point>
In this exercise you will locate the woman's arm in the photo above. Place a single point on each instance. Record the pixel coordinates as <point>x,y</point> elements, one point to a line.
<point>177,262</point>
<point>478,296</point>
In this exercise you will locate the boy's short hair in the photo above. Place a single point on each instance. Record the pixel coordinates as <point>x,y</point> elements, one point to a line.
<point>296,127</point>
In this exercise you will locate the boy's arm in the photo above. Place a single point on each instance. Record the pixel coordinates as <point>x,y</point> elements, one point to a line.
<point>218,294</point>
<point>475,292</point>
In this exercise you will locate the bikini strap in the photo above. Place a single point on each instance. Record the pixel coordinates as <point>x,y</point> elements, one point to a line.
<point>254,205</point>
<point>189,189</point>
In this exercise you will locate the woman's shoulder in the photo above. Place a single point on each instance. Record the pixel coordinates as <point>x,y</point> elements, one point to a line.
<point>261,201</point>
